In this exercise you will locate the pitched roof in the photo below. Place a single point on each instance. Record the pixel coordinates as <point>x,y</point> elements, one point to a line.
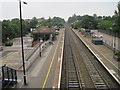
<point>45,30</point>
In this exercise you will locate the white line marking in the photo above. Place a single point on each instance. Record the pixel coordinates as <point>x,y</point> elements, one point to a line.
<point>61,64</point>
<point>59,59</point>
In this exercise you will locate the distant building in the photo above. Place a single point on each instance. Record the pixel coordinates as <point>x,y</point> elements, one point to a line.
<point>40,19</point>
<point>43,33</point>
<point>28,20</point>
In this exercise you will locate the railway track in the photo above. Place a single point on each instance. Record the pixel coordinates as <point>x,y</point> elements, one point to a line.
<point>70,74</point>
<point>80,68</point>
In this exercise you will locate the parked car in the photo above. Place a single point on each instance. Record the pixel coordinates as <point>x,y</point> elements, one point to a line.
<point>1,48</point>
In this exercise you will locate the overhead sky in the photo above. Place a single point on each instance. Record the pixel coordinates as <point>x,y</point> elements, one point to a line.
<point>63,8</point>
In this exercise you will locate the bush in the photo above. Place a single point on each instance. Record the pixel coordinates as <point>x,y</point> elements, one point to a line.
<point>8,43</point>
<point>118,54</point>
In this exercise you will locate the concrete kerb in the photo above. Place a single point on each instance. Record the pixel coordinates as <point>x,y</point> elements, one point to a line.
<point>33,60</point>
<point>98,58</point>
<point>61,64</point>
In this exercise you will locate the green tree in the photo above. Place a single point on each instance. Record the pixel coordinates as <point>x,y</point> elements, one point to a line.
<point>0,32</point>
<point>117,15</point>
<point>49,22</point>
<point>33,22</point>
<point>55,21</point>
<point>72,19</point>
<point>15,27</point>
<point>105,24</point>
<point>6,31</point>
<point>11,29</point>
<point>76,25</point>
<point>89,22</point>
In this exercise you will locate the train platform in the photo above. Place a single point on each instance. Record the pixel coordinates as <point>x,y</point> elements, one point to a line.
<point>46,70</point>
<point>104,55</point>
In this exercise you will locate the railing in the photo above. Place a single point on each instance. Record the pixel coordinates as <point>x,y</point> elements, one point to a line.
<point>44,44</point>
<point>8,77</point>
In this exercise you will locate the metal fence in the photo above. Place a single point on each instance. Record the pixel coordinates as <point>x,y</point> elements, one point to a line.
<point>9,76</point>
<point>113,33</point>
<point>43,46</point>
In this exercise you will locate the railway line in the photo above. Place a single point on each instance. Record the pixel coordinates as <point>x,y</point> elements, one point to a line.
<point>71,76</point>
<point>80,68</point>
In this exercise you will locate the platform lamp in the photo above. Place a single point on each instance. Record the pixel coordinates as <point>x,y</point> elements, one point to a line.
<point>114,39</point>
<point>115,43</point>
<point>22,41</point>
<point>40,44</point>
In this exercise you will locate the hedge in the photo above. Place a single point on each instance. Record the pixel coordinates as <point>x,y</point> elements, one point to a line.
<point>8,43</point>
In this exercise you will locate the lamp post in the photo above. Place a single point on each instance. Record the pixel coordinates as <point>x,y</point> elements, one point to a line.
<point>114,42</point>
<point>8,39</point>
<point>39,44</point>
<point>22,42</point>
<point>40,47</point>
<point>114,38</point>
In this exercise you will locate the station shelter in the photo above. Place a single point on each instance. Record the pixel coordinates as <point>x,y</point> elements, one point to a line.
<point>43,33</point>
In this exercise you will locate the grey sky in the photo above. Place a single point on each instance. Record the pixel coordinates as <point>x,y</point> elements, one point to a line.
<point>62,8</point>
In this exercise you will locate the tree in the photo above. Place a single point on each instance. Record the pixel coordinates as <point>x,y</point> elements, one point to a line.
<point>99,17</point>
<point>58,20</point>
<point>0,32</point>
<point>79,17</point>
<point>26,27</point>
<point>33,22</point>
<point>15,27</point>
<point>89,22</point>
<point>6,31</point>
<point>55,21</point>
<point>72,19</point>
<point>49,24</point>
<point>107,17</point>
<point>76,25</point>
<point>95,15</point>
<point>117,15</point>
<point>105,24</point>
<point>11,29</point>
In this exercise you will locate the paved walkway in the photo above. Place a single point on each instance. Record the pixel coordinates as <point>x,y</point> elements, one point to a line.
<point>104,54</point>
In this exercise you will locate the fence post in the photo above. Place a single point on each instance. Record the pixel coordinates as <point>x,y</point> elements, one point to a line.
<point>3,73</point>
<point>15,76</point>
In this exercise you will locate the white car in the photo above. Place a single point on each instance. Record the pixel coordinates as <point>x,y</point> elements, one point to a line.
<point>101,36</point>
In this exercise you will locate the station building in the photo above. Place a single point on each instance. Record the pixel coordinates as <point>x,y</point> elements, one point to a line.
<point>43,33</point>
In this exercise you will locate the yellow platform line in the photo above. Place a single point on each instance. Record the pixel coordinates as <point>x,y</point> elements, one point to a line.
<point>109,60</point>
<point>43,86</point>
